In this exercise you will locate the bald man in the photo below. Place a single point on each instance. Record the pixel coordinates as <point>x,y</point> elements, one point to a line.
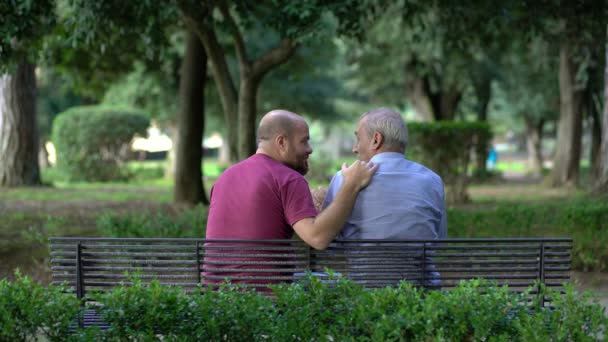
<point>267,197</point>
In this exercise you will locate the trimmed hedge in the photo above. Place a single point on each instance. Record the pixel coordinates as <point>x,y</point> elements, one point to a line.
<point>448,148</point>
<point>29,311</point>
<point>189,223</point>
<point>585,220</point>
<point>92,142</point>
<point>312,311</point>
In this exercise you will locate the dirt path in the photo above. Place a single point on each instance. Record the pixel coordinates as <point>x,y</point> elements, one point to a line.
<point>597,282</point>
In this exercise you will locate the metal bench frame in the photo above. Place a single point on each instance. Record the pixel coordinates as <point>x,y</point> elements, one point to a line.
<point>100,264</point>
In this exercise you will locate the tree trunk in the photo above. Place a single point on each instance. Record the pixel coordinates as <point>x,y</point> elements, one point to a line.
<point>18,130</point>
<point>483,91</point>
<point>189,187</point>
<point>419,99</point>
<point>223,80</point>
<point>601,182</point>
<point>567,155</point>
<point>596,138</point>
<point>247,117</point>
<point>197,18</point>
<point>533,144</point>
<point>448,103</point>
<point>433,105</point>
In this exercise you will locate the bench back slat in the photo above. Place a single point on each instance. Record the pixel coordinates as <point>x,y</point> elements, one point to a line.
<point>99,264</point>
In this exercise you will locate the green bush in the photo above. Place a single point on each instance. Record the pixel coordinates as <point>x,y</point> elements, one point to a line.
<point>585,220</point>
<point>92,142</point>
<point>322,169</point>
<point>448,147</point>
<point>307,311</point>
<point>29,311</point>
<point>189,223</point>
<point>311,311</point>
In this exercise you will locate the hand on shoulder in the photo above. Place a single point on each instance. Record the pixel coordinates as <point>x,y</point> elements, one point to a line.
<point>359,173</point>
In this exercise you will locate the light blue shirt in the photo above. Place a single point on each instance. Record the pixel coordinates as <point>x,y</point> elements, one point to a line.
<point>404,200</point>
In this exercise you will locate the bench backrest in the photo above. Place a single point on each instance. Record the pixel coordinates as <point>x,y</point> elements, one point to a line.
<point>99,264</point>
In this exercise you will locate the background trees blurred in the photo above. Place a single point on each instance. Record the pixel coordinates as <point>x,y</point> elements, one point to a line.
<point>531,69</point>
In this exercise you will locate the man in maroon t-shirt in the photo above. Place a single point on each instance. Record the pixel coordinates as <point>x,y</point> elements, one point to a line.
<point>267,197</point>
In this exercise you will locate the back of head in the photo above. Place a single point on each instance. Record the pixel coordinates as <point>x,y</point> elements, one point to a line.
<point>391,125</point>
<point>276,122</point>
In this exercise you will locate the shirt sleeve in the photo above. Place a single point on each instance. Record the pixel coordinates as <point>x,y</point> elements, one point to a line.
<point>297,201</point>
<point>332,190</point>
<point>443,225</point>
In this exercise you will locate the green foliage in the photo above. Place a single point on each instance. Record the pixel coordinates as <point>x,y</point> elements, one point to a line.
<point>310,310</point>
<point>140,311</point>
<point>29,311</point>
<point>52,98</point>
<point>584,220</point>
<point>92,142</point>
<point>445,147</point>
<point>322,169</point>
<point>141,88</point>
<point>189,223</point>
<point>24,24</point>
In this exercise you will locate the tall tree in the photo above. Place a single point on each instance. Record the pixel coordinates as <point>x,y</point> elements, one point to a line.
<point>18,129</point>
<point>189,186</point>
<point>142,31</point>
<point>407,54</point>
<point>23,25</point>
<point>238,99</point>
<point>290,22</point>
<point>601,182</point>
<point>529,91</point>
<point>575,27</point>
<point>568,152</point>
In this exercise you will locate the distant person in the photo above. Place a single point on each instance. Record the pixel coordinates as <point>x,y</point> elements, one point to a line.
<point>267,197</point>
<point>405,200</point>
<point>492,159</point>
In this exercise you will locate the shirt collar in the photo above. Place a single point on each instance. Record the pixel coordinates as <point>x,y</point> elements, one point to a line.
<point>386,156</point>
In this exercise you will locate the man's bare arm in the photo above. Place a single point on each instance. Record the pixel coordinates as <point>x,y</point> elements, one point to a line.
<point>320,231</point>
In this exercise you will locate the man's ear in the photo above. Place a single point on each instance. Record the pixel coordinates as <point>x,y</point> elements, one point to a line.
<point>377,140</point>
<point>281,142</point>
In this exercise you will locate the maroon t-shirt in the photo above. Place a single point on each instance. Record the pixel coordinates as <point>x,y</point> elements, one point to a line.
<point>258,198</point>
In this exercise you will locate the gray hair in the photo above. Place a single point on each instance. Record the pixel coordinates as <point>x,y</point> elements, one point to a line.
<point>390,124</point>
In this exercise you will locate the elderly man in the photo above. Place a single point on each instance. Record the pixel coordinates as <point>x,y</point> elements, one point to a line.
<point>405,200</point>
<point>267,197</point>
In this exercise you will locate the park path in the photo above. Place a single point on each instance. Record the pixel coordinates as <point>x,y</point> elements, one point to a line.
<point>597,282</point>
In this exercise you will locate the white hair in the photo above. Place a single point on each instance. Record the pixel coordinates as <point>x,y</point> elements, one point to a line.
<point>390,124</point>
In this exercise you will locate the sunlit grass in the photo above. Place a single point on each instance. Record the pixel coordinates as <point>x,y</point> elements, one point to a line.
<point>511,166</point>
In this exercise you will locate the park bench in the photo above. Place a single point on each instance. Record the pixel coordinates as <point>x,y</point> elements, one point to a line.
<point>100,264</point>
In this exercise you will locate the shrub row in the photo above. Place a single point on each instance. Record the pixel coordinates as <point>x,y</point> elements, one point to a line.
<point>29,311</point>
<point>190,223</point>
<point>584,220</point>
<point>308,311</point>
